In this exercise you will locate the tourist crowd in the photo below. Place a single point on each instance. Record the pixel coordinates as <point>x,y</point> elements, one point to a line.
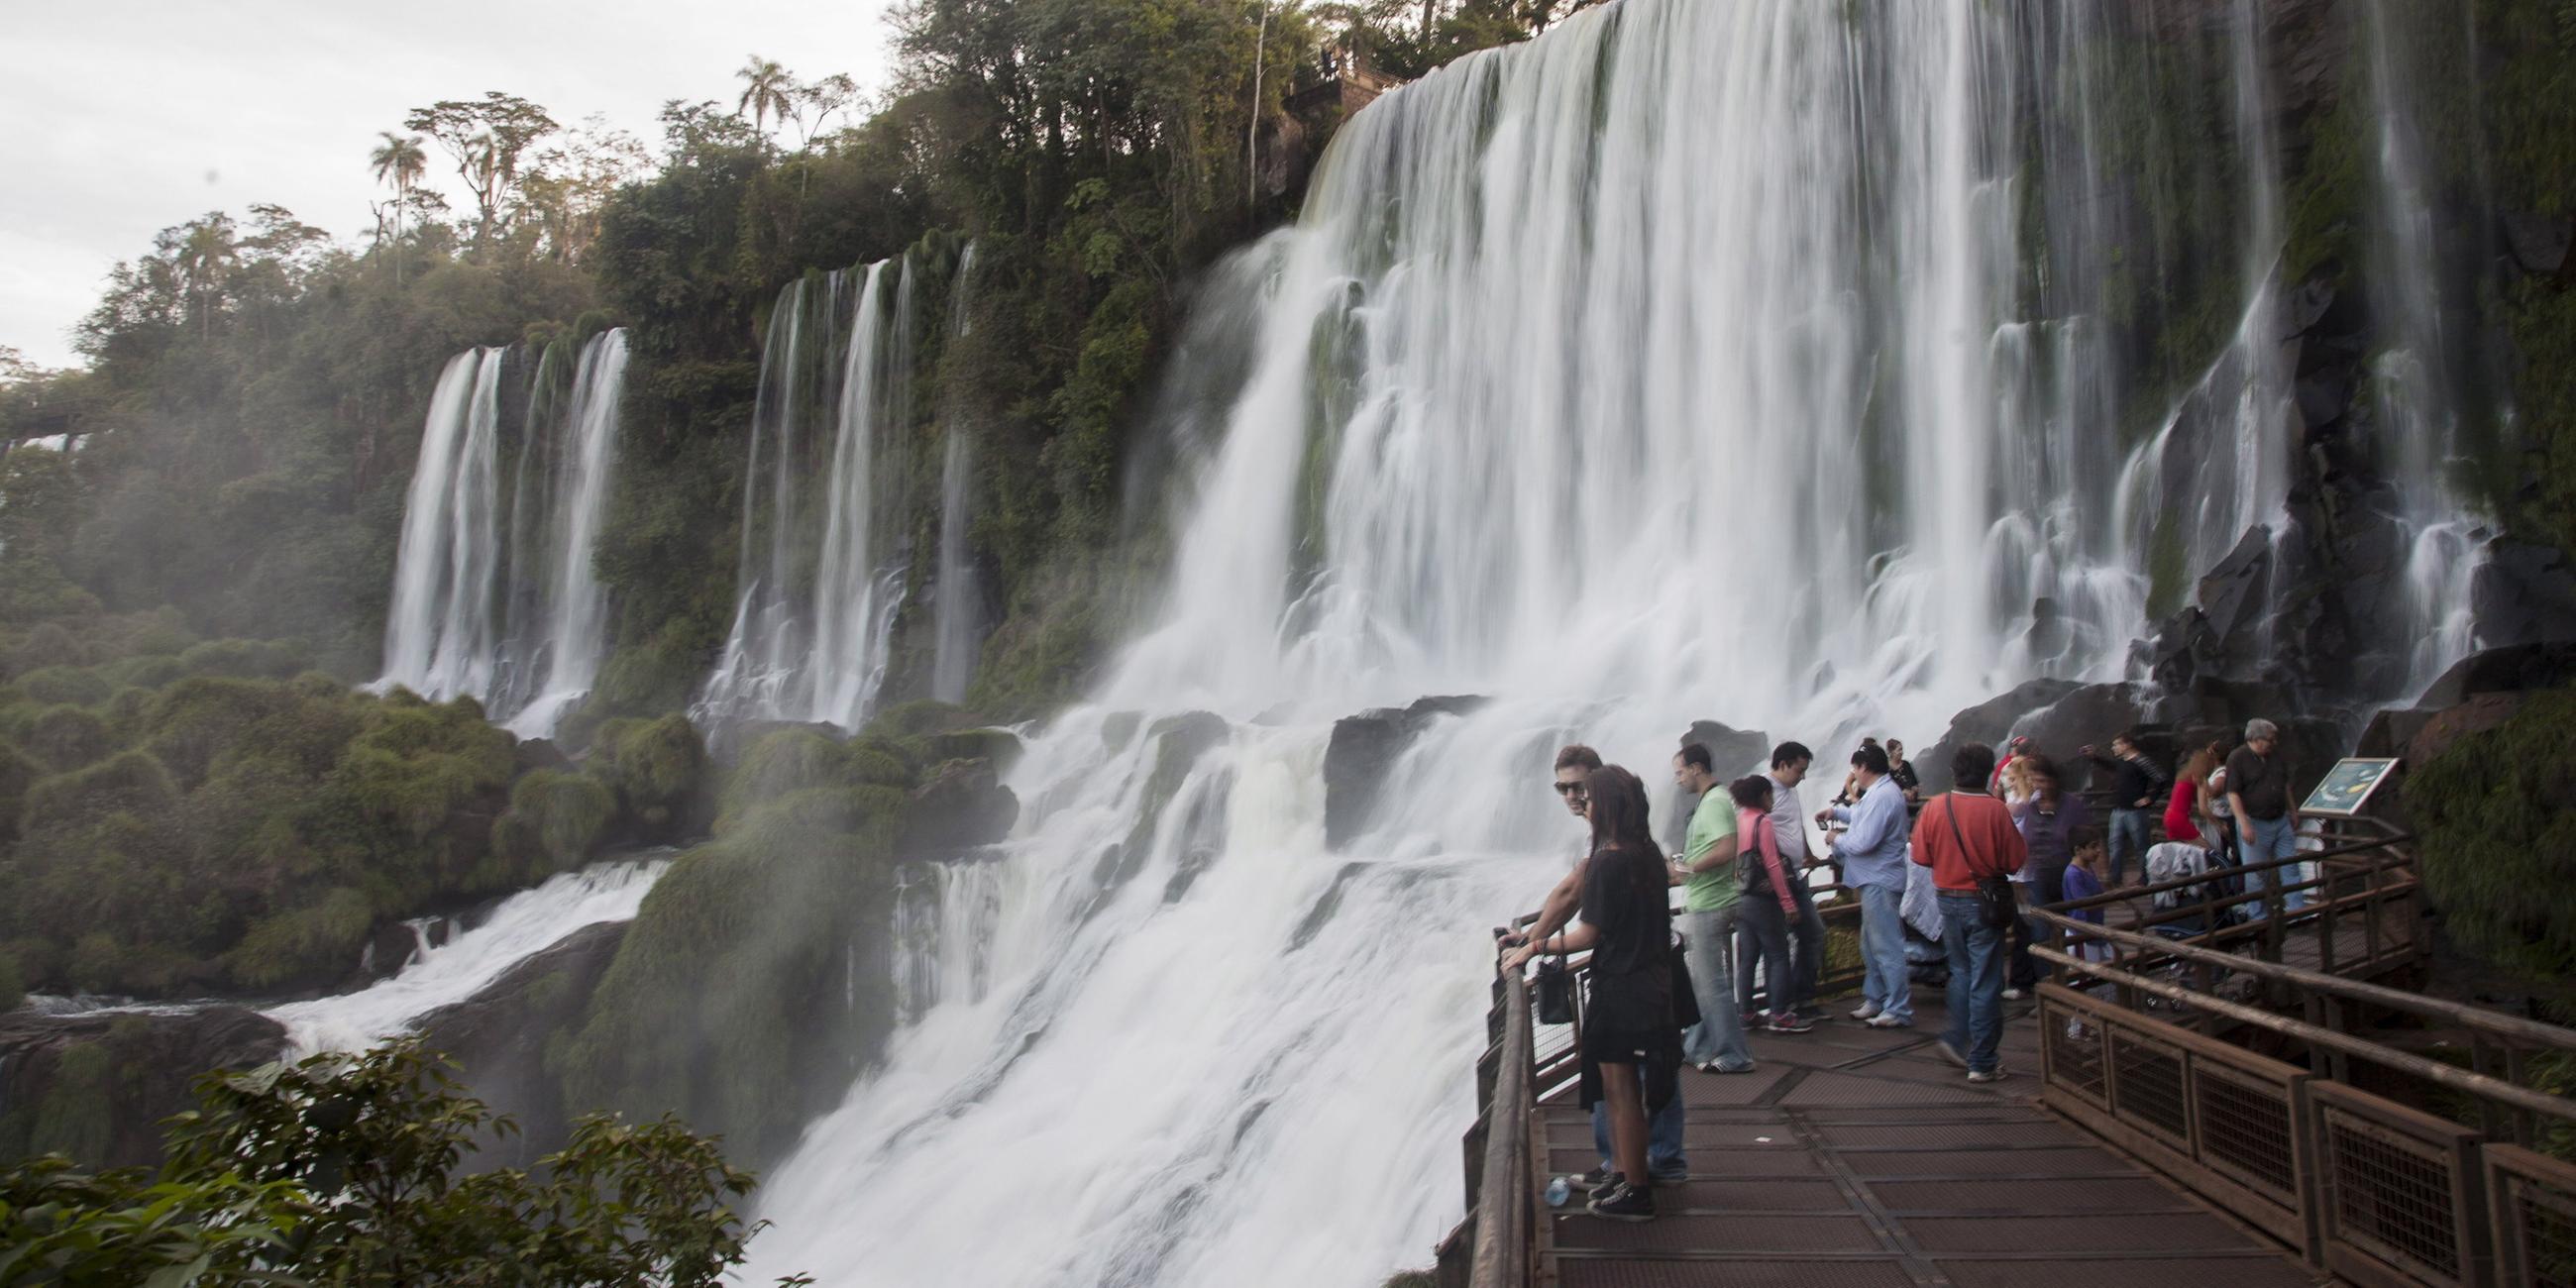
<point>1943,883</point>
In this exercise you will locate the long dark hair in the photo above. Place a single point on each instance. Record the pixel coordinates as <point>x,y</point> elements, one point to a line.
<point>1619,814</point>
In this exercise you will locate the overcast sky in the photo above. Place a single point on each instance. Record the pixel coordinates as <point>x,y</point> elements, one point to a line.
<point>122,117</point>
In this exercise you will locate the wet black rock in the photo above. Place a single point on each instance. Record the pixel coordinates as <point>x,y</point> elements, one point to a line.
<point>1732,753</point>
<point>2524,594</point>
<point>2539,242</point>
<point>498,1037</point>
<point>1989,722</point>
<point>1364,748</point>
<point>97,1086</point>
<point>962,807</point>
<point>2518,668</point>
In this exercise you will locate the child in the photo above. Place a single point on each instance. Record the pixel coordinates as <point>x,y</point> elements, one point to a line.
<point>2084,880</point>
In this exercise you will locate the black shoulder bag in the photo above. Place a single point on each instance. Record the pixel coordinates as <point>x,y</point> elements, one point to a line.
<point>1552,992</point>
<point>1995,899</point>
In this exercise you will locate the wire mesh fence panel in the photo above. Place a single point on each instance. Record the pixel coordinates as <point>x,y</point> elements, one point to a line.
<point>2146,1086</point>
<point>2534,1200</point>
<point>2391,1195</point>
<point>2246,1129</point>
<point>2072,1039</point>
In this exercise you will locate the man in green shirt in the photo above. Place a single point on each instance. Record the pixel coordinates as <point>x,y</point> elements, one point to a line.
<point>1706,873</point>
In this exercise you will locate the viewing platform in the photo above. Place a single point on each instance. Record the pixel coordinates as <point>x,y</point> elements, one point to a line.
<point>2227,1107</point>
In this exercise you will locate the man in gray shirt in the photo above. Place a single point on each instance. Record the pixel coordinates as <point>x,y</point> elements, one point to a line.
<point>1789,762</point>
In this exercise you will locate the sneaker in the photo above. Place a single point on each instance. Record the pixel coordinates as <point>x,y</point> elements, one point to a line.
<point>1866,1011</point>
<point>1629,1203</point>
<point>1600,1184</point>
<point>1754,1020</point>
<point>1791,1022</point>
<point>1953,1053</point>
<point>1673,1175</point>
<point>1889,1022</point>
<point>1987,1075</point>
<point>2015,994</point>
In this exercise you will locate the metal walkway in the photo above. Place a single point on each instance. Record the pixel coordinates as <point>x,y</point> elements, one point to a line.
<point>1859,1158</point>
<point>2205,1110</point>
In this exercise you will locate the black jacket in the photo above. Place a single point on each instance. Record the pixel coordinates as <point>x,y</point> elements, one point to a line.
<point>2133,781</point>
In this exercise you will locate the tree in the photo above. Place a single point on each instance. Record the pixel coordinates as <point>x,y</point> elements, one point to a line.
<point>400,162</point>
<point>824,99</point>
<point>486,138</point>
<point>207,255</point>
<point>343,1170</point>
<point>767,91</point>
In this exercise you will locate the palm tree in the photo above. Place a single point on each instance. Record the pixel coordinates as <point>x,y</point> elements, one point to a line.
<point>399,162</point>
<point>766,90</point>
<point>205,262</point>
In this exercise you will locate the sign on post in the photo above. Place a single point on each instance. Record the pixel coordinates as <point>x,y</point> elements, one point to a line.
<point>2347,785</point>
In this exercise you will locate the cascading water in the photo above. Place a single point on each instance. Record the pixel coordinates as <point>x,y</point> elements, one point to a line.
<point>500,602</point>
<point>1725,360</point>
<point>522,926</point>
<point>573,626</point>
<point>956,620</point>
<point>2413,381</point>
<point>812,629</point>
<point>440,635</point>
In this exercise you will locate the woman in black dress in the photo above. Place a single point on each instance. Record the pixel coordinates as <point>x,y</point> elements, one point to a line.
<point>1631,1043</point>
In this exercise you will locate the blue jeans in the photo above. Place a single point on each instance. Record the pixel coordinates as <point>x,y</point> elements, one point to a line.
<point>2266,839</point>
<point>2130,834</point>
<point>1884,982</point>
<point>1808,938</point>
<point>1763,945</point>
<point>1976,981</point>
<point>1708,946</point>
<point>1663,1137</point>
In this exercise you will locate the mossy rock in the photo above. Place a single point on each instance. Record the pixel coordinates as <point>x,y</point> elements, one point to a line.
<point>244,659</point>
<point>999,746</point>
<point>129,782</point>
<point>66,737</point>
<point>48,645</point>
<point>566,813</point>
<point>55,685</point>
<point>655,765</point>
<point>2499,848</point>
<point>314,944</point>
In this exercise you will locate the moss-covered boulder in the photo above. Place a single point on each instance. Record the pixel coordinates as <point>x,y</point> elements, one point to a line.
<point>732,999</point>
<point>97,1087</point>
<point>2499,844</point>
<point>660,772</point>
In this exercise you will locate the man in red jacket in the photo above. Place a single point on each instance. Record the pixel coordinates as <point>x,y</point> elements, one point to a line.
<point>1964,835</point>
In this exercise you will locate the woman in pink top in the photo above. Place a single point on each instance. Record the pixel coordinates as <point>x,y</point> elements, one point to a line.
<point>1769,908</point>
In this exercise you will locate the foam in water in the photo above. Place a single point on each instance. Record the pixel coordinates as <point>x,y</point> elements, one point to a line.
<point>522,926</point>
<point>1670,366</point>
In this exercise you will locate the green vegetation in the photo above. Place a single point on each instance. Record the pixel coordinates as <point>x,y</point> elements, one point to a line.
<point>344,1170</point>
<point>2499,850</point>
<point>729,997</point>
<point>184,820</point>
<point>2530,95</point>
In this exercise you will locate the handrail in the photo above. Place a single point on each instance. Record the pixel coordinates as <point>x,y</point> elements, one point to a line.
<point>2433,1071</point>
<point>2492,1022</point>
<point>1502,1202</point>
<point>2218,873</point>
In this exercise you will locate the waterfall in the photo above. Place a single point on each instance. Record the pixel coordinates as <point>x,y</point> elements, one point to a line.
<point>957,618</point>
<point>520,927</point>
<point>1766,361</point>
<point>574,621</point>
<point>813,623</point>
<point>497,599</point>
<point>440,633</point>
<point>2414,387</point>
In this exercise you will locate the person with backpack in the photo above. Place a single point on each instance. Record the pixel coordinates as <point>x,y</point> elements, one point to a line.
<point>1769,911</point>
<point>1968,840</point>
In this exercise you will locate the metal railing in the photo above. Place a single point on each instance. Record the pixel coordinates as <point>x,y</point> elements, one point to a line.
<point>2333,1143</point>
<point>1496,1246</point>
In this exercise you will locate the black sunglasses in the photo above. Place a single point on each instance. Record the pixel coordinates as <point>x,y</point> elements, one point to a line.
<point>1569,789</point>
